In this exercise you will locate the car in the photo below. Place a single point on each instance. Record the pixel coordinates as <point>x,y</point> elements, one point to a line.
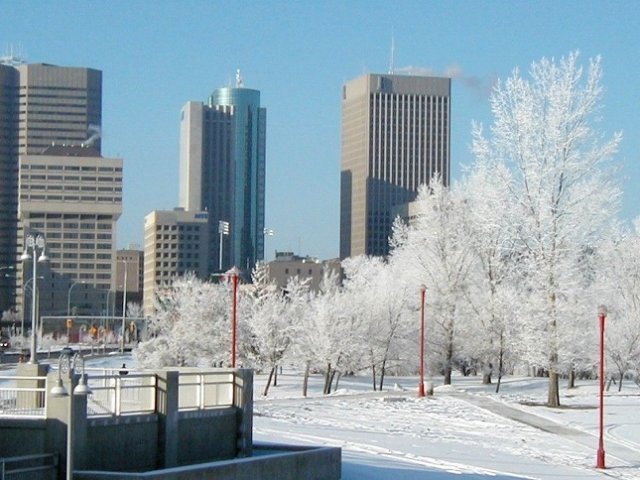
<point>5,343</point>
<point>67,351</point>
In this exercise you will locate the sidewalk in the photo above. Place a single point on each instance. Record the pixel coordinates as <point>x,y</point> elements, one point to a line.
<point>613,448</point>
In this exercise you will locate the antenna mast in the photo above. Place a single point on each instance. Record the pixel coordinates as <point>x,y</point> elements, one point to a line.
<point>392,53</point>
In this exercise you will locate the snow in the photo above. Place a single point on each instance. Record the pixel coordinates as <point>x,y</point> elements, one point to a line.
<point>464,431</point>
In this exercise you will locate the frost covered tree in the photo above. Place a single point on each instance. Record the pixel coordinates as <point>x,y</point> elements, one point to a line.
<point>494,288</point>
<point>383,304</point>
<point>329,335</point>
<point>269,325</point>
<point>190,326</point>
<point>544,130</point>
<point>619,288</point>
<point>436,251</point>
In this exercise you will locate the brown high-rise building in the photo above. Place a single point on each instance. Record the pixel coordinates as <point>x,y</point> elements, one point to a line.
<point>40,105</point>
<point>395,137</point>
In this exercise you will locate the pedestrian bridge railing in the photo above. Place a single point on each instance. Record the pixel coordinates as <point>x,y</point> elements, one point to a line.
<point>125,392</point>
<point>121,392</point>
<point>19,396</point>
<point>204,390</point>
<point>117,394</point>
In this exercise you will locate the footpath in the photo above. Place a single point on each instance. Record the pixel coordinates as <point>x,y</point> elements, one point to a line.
<point>613,448</point>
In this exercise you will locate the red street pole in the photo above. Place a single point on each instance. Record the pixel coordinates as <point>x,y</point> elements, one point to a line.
<point>423,291</point>
<point>233,319</point>
<point>602,314</point>
<point>234,273</point>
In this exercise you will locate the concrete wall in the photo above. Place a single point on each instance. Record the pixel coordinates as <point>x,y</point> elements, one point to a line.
<point>207,435</point>
<point>22,436</point>
<point>269,463</point>
<point>130,442</point>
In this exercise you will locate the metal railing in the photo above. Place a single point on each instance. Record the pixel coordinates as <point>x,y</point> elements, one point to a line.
<point>202,390</point>
<point>121,394</point>
<point>29,467</point>
<point>23,401</point>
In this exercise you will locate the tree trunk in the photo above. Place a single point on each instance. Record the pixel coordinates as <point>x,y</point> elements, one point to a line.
<point>373,374</point>
<point>572,378</point>
<point>486,374</point>
<point>449,361</point>
<point>337,380</point>
<point>553,399</point>
<point>620,385</point>
<point>500,365</point>
<point>327,380</point>
<point>305,382</point>
<point>331,377</point>
<point>384,364</point>
<point>275,375</point>
<point>266,387</point>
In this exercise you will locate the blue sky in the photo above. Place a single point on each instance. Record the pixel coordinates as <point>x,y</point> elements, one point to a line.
<point>157,55</point>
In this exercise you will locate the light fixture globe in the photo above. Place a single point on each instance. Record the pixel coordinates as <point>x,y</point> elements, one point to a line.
<point>59,391</point>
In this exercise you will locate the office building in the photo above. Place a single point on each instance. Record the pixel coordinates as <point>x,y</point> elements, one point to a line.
<point>129,277</point>
<point>222,171</point>
<point>71,196</point>
<point>287,266</point>
<point>176,242</point>
<point>395,137</point>
<point>40,105</point>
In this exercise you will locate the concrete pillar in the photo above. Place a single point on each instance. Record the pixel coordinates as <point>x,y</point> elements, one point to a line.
<point>243,401</point>
<point>58,422</point>
<point>31,400</point>
<point>167,409</point>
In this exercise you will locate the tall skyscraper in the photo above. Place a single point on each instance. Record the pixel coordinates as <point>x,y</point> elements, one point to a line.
<point>222,171</point>
<point>395,137</point>
<point>40,105</point>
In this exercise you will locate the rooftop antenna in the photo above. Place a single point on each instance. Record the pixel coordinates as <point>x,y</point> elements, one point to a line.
<point>392,52</point>
<point>239,82</point>
<point>12,58</point>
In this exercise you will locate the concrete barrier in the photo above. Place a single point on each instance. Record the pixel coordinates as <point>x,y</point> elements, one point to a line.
<point>282,462</point>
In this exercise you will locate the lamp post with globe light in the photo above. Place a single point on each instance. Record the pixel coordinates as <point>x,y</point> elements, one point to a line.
<point>34,243</point>
<point>70,364</point>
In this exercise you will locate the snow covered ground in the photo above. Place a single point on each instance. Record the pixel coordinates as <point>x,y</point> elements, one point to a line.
<point>463,432</point>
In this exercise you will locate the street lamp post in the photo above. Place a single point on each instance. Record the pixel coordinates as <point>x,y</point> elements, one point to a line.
<point>223,229</point>
<point>81,389</point>
<point>73,284</point>
<point>34,243</point>
<point>109,309</point>
<point>124,305</point>
<point>423,291</point>
<point>602,315</point>
<point>234,274</point>
<point>267,232</point>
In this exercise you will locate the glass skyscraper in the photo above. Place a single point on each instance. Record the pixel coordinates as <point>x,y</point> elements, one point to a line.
<point>222,171</point>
